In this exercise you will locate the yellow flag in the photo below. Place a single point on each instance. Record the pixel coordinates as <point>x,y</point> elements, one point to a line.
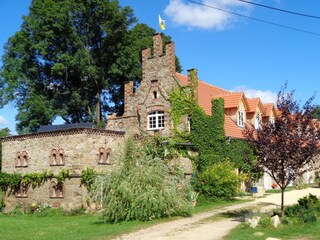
<point>162,23</point>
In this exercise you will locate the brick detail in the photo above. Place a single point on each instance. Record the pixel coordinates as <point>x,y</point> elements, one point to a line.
<point>157,45</point>
<point>171,56</point>
<point>128,93</point>
<point>146,54</point>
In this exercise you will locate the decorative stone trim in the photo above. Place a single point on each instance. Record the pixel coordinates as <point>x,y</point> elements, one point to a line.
<point>22,191</point>
<point>103,156</point>
<point>73,131</point>
<point>21,160</point>
<point>57,157</point>
<point>57,189</point>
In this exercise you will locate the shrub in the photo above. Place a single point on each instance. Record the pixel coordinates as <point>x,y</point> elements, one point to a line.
<point>218,181</point>
<point>305,210</point>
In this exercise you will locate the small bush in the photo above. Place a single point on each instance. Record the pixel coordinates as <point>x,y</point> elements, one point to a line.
<point>306,209</point>
<point>218,181</point>
<point>17,211</point>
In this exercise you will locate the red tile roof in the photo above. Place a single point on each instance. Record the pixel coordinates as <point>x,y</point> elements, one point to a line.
<point>231,129</point>
<point>232,100</point>
<point>207,92</point>
<point>268,108</point>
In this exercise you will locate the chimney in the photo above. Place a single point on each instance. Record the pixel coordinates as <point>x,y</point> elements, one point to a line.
<point>157,45</point>
<point>193,81</point>
<point>128,92</point>
<point>171,57</point>
<point>146,54</point>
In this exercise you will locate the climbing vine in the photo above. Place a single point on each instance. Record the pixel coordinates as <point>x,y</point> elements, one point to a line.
<point>12,181</point>
<point>207,131</point>
<point>88,177</point>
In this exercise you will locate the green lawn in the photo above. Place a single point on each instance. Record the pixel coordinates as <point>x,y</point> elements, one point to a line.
<point>308,231</point>
<point>79,227</point>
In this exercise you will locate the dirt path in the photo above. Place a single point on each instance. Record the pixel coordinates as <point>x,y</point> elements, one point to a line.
<point>202,228</point>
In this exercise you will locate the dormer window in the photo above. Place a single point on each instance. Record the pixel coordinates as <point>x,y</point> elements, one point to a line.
<point>271,120</point>
<point>241,119</point>
<point>156,120</point>
<point>257,121</point>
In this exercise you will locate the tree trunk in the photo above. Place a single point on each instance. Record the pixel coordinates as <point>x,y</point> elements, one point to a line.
<point>282,202</point>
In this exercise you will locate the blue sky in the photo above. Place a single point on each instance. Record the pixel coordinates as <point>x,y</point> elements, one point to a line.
<point>229,51</point>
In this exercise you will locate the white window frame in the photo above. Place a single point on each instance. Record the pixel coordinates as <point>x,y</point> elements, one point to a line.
<point>241,118</point>
<point>257,121</point>
<point>156,120</point>
<point>271,120</point>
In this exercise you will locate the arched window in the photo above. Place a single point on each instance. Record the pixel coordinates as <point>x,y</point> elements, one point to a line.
<point>104,156</point>
<point>22,159</point>
<point>56,189</point>
<point>22,191</point>
<point>155,95</point>
<point>156,120</point>
<point>57,157</point>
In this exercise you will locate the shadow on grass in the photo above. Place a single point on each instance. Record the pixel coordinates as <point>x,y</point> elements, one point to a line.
<point>238,215</point>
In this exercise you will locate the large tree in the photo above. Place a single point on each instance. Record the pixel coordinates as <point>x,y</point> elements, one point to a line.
<point>70,59</point>
<point>287,148</point>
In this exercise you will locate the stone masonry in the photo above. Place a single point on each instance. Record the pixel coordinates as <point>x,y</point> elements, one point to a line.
<point>73,149</point>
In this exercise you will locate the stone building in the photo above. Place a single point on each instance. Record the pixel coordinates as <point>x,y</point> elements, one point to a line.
<point>74,149</point>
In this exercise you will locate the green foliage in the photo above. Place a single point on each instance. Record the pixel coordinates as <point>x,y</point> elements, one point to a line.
<point>63,174</point>
<point>36,179</point>
<point>316,113</point>
<point>12,181</point>
<point>306,210</point>
<point>88,177</point>
<point>143,188</point>
<point>218,181</point>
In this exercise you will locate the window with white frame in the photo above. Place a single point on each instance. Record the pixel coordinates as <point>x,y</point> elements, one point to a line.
<point>156,120</point>
<point>257,121</point>
<point>241,118</point>
<point>271,120</point>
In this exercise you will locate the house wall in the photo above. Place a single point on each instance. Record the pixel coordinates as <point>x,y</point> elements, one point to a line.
<point>82,149</point>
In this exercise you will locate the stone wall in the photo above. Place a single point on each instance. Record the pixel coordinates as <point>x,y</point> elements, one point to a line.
<point>158,79</point>
<point>73,149</point>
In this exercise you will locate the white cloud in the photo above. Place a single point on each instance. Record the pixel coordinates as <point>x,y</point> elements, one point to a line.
<point>3,121</point>
<point>266,96</point>
<point>199,16</point>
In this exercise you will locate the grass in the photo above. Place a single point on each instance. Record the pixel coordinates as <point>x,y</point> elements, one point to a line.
<point>62,227</point>
<point>308,231</point>
<point>209,204</point>
<point>289,188</point>
<point>81,227</point>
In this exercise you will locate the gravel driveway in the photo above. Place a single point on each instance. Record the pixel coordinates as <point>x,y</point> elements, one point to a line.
<point>198,227</point>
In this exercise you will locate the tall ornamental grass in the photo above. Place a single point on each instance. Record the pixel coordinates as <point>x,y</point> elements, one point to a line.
<point>144,187</point>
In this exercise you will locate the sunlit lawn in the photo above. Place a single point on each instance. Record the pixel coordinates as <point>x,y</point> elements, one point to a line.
<point>78,227</point>
<point>310,231</point>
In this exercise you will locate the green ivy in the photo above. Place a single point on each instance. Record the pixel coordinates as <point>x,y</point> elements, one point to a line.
<point>36,179</point>
<point>63,175</point>
<point>12,181</point>
<point>207,132</point>
<point>88,177</point>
